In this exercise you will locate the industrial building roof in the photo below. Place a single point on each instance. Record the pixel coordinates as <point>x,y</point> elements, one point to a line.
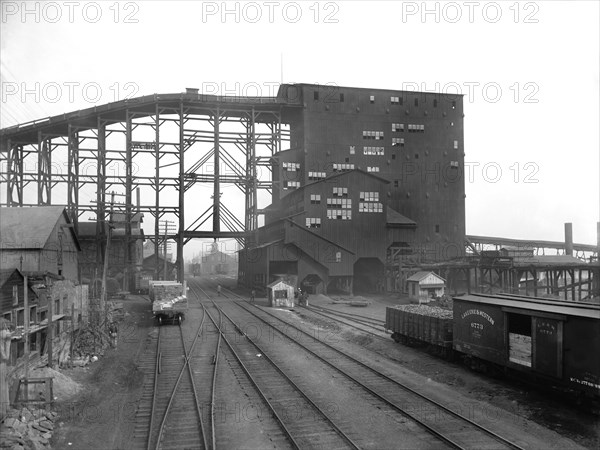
<point>30,228</point>
<point>536,304</point>
<point>395,218</point>
<point>422,275</point>
<point>548,260</point>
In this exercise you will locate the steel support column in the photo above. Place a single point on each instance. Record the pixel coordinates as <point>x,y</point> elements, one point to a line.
<point>180,236</point>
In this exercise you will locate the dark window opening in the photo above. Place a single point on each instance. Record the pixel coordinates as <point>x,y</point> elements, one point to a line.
<point>347,159</point>
<point>396,183</point>
<point>437,228</point>
<point>519,324</point>
<point>416,102</point>
<point>453,104</point>
<point>341,97</point>
<point>316,95</point>
<point>394,156</point>
<point>435,103</point>
<point>401,101</point>
<point>416,156</point>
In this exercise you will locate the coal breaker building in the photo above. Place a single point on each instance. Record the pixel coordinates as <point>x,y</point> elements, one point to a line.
<point>372,184</point>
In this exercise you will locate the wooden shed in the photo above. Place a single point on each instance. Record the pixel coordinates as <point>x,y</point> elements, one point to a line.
<point>281,294</point>
<point>425,286</point>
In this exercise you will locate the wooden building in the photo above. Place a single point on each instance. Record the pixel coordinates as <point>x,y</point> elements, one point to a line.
<point>281,294</point>
<point>425,286</point>
<point>373,178</point>
<point>39,239</point>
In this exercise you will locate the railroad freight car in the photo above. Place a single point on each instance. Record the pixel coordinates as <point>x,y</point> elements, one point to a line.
<point>421,324</point>
<point>169,301</point>
<point>555,343</point>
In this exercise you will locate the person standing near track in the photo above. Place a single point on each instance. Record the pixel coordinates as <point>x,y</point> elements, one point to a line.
<point>218,290</point>
<point>252,295</point>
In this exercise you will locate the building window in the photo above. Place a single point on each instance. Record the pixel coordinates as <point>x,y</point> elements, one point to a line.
<point>338,256</point>
<point>20,317</point>
<point>365,207</point>
<point>372,169</point>
<point>416,156</point>
<point>316,175</point>
<point>455,145</point>
<point>453,104</point>
<point>313,222</point>
<point>341,97</point>
<point>339,214</point>
<point>291,184</point>
<point>415,128</point>
<point>396,183</point>
<point>345,203</point>
<point>291,166</point>
<point>376,135</point>
<point>437,228</point>
<point>342,167</point>
<point>315,199</point>
<point>416,102</point>
<point>15,295</point>
<point>316,95</point>
<point>454,164</point>
<point>372,99</point>
<point>369,196</point>
<point>378,151</point>
<point>340,191</point>
<point>435,102</point>
<point>7,316</point>
<point>397,142</point>
<point>33,314</point>
<point>352,149</point>
<point>394,156</point>
<point>396,100</point>
<point>398,127</point>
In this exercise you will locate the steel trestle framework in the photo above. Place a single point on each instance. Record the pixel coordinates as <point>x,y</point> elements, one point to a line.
<point>164,148</point>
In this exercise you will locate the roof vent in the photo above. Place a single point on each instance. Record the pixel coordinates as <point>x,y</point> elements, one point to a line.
<point>192,90</point>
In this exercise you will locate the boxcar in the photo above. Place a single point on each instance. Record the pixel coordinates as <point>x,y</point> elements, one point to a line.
<point>552,340</point>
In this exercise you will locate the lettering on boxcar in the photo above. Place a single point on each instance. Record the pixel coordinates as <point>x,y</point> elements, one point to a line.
<point>478,312</point>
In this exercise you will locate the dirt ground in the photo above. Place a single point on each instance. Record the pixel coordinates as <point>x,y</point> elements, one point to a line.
<point>102,415</point>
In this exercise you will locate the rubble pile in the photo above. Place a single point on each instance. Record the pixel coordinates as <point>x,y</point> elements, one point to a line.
<point>28,428</point>
<point>425,310</point>
<point>89,342</point>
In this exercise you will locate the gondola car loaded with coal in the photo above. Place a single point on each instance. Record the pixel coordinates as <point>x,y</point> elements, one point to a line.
<point>169,301</point>
<point>551,342</point>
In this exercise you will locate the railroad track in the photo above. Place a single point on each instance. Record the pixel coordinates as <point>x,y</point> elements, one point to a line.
<point>370,326</point>
<point>445,424</point>
<point>175,410</point>
<point>314,428</point>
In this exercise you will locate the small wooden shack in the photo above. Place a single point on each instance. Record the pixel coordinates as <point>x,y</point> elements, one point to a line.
<point>281,294</point>
<point>425,286</point>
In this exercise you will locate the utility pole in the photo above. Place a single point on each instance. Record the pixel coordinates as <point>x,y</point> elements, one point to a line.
<point>103,302</point>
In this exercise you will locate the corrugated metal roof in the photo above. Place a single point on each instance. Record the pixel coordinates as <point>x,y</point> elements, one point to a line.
<point>536,304</point>
<point>28,228</point>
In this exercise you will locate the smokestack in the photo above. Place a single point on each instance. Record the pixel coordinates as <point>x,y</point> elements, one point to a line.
<point>569,239</point>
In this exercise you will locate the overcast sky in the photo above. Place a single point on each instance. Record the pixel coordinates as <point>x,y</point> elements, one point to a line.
<point>529,72</point>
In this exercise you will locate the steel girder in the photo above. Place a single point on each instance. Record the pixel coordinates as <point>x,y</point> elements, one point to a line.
<point>204,132</point>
